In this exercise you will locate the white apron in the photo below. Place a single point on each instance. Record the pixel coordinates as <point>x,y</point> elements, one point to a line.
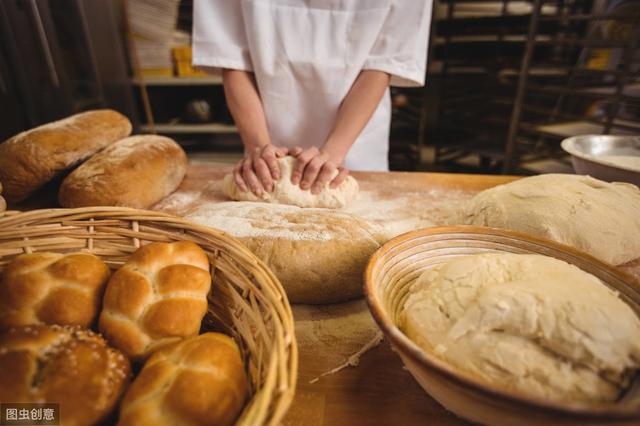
<point>306,54</point>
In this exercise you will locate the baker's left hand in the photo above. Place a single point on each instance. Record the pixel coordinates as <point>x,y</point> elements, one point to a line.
<point>315,168</point>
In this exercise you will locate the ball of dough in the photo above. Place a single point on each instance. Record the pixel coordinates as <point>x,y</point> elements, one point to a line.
<point>526,323</point>
<point>318,255</point>
<point>284,192</point>
<point>600,218</point>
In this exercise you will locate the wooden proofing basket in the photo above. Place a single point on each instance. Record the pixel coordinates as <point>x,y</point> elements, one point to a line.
<point>247,300</point>
<point>397,264</point>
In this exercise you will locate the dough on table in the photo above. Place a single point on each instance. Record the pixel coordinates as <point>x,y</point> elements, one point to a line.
<point>526,323</point>
<point>319,255</point>
<point>284,192</point>
<point>600,218</point>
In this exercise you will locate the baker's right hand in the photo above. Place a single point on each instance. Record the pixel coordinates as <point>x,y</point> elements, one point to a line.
<point>258,170</point>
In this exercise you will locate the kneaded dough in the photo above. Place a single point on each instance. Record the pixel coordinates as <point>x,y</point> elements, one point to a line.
<point>600,218</point>
<point>526,323</point>
<point>284,192</point>
<point>319,255</point>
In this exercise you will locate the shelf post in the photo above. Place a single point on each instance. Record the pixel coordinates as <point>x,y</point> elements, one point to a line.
<point>510,149</point>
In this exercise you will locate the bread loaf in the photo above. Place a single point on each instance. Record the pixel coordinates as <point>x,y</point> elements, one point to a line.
<point>52,288</point>
<point>199,381</point>
<point>318,255</point>
<point>32,158</point>
<point>69,366</point>
<point>158,297</point>
<point>135,172</point>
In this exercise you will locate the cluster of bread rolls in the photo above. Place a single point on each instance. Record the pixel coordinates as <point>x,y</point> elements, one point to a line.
<point>114,170</point>
<point>150,308</point>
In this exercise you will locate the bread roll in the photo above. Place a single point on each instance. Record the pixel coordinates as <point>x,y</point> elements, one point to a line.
<point>199,381</point>
<point>158,297</point>
<point>32,158</point>
<point>69,366</point>
<point>135,172</point>
<point>318,255</point>
<point>52,288</point>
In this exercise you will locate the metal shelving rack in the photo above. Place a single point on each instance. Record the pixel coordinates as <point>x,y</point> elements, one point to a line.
<point>475,46</point>
<point>592,97</point>
<point>512,81</point>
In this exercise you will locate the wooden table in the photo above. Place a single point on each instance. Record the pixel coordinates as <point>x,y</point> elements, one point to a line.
<point>379,390</point>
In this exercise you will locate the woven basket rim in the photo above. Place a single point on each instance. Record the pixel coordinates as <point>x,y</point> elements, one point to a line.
<point>281,376</point>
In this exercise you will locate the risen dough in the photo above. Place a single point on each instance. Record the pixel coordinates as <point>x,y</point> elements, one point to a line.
<point>600,218</point>
<point>318,255</point>
<point>527,323</point>
<point>284,192</point>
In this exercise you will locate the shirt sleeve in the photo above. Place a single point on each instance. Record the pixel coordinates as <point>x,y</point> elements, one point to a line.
<point>219,37</point>
<point>401,46</point>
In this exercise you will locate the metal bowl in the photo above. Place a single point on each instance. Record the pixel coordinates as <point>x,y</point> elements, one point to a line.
<point>589,156</point>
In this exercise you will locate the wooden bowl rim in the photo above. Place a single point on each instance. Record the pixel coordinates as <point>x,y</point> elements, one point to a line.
<point>407,347</point>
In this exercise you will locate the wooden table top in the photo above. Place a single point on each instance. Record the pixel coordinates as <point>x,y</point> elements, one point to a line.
<point>379,390</point>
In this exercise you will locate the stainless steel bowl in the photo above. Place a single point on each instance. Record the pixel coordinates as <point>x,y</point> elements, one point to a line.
<point>589,156</point>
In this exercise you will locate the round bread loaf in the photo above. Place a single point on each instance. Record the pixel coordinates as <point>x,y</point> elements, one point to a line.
<point>69,366</point>
<point>158,297</point>
<point>318,255</point>
<point>199,381</point>
<point>134,172</point>
<point>600,218</point>
<point>32,158</point>
<point>52,288</point>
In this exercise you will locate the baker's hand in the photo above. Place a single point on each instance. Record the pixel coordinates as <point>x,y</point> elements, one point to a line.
<point>259,169</point>
<point>315,168</point>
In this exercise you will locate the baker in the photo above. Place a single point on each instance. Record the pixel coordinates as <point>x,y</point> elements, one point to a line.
<point>310,78</point>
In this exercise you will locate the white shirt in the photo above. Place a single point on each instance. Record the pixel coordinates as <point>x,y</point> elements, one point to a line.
<point>306,55</point>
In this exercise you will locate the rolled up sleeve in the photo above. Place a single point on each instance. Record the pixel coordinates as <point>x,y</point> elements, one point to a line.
<point>219,36</point>
<point>401,46</point>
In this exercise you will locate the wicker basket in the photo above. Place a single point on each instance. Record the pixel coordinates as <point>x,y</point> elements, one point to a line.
<point>247,302</point>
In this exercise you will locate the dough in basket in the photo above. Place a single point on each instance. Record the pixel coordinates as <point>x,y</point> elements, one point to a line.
<point>526,323</point>
<point>284,192</point>
<point>600,218</point>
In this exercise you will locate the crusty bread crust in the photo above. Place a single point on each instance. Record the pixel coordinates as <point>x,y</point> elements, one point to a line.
<point>199,381</point>
<point>158,297</point>
<point>69,366</point>
<point>30,159</point>
<point>134,172</point>
<point>52,288</point>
